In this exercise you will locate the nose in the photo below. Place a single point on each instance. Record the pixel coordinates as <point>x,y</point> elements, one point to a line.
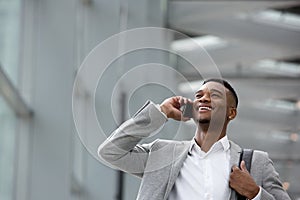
<point>205,98</point>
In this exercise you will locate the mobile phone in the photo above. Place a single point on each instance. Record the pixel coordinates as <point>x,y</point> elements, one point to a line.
<point>188,110</point>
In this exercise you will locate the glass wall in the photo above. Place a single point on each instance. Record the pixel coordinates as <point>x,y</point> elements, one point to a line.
<point>7,150</point>
<point>10,11</point>
<point>9,58</point>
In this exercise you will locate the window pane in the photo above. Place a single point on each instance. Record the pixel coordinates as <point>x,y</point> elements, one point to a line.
<point>9,37</point>
<point>7,150</point>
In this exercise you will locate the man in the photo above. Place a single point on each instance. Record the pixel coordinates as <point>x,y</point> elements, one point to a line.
<point>203,168</point>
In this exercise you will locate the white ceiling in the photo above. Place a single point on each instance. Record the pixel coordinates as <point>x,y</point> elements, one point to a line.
<point>248,41</point>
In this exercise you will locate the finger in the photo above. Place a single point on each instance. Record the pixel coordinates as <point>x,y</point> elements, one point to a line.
<point>176,101</point>
<point>181,101</point>
<point>185,119</point>
<point>177,115</point>
<point>186,100</point>
<point>190,101</point>
<point>235,168</point>
<point>243,166</point>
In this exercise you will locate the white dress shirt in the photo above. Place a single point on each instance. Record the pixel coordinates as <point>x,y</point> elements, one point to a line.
<point>205,176</point>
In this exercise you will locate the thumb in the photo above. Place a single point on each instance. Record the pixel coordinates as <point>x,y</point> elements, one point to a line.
<point>243,166</point>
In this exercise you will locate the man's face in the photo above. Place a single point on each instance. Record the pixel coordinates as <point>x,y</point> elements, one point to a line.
<point>212,102</point>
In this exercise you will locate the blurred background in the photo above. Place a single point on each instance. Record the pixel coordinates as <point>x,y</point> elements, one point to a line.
<point>255,45</point>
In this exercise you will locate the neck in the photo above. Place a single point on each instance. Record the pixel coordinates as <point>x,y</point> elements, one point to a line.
<point>207,135</point>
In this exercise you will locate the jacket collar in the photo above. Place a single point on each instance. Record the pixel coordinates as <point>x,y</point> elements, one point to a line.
<point>184,149</point>
<point>224,142</point>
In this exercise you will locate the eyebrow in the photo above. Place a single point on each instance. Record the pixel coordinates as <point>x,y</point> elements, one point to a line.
<point>212,90</point>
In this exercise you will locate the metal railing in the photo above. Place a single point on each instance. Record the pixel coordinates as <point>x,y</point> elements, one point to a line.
<point>12,96</point>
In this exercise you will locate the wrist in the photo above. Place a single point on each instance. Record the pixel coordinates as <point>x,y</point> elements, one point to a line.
<point>163,110</point>
<point>253,193</point>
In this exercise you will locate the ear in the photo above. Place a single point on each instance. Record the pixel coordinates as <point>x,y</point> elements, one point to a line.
<point>232,113</point>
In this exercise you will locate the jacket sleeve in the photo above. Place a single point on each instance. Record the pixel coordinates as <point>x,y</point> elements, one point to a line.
<point>271,187</point>
<point>122,150</point>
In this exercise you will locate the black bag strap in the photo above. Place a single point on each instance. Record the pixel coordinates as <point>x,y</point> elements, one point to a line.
<point>246,155</point>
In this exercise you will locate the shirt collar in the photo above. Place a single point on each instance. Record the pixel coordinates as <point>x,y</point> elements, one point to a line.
<point>223,141</point>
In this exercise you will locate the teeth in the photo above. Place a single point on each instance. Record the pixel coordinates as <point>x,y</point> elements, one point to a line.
<point>204,108</point>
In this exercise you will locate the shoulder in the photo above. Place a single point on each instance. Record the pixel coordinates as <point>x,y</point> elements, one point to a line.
<point>235,147</point>
<point>260,157</point>
<point>161,143</point>
<point>256,153</point>
<point>260,153</point>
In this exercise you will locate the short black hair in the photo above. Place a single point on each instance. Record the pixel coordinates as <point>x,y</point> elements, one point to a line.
<point>226,85</point>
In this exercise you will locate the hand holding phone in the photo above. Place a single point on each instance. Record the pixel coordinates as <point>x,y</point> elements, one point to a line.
<point>175,107</point>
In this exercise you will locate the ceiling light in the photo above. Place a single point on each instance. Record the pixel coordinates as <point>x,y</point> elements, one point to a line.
<point>284,135</point>
<point>286,105</point>
<point>206,42</point>
<point>275,18</point>
<point>279,135</point>
<point>278,67</point>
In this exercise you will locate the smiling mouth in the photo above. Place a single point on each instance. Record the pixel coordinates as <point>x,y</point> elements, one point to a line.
<point>204,108</point>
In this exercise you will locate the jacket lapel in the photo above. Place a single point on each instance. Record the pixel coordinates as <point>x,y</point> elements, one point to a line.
<point>235,152</point>
<point>181,150</point>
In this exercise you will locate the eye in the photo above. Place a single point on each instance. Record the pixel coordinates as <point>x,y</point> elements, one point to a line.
<point>215,95</point>
<point>197,96</point>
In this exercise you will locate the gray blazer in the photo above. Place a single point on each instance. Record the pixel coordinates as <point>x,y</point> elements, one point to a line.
<point>159,163</point>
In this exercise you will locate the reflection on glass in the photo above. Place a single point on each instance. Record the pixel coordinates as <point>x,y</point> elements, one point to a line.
<point>7,150</point>
<point>9,37</point>
<point>9,61</point>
